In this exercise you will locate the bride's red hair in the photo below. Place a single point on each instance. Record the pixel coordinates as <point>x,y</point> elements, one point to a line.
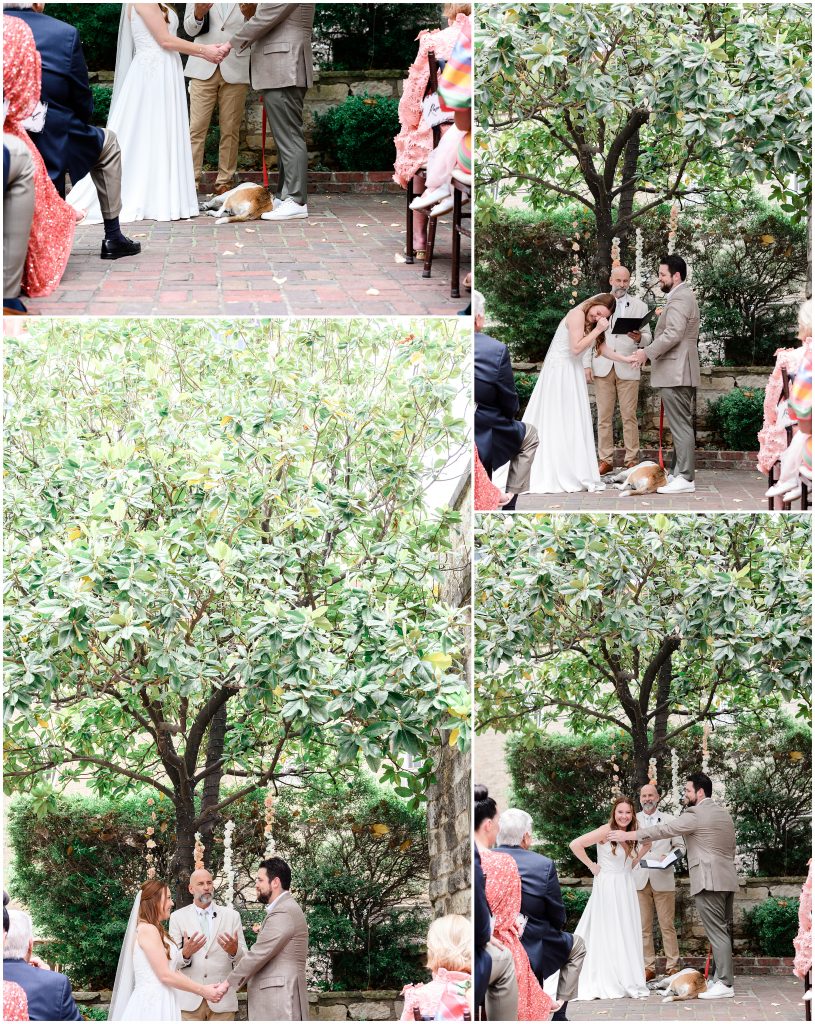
<point>153,894</point>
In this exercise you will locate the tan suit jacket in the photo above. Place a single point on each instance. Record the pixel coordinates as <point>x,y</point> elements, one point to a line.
<point>673,352</point>
<point>710,838</point>
<point>224,21</point>
<point>210,964</point>
<point>601,366</point>
<point>280,39</point>
<point>274,969</point>
<point>661,879</point>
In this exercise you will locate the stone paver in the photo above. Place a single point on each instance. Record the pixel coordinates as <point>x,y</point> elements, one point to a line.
<point>346,259</point>
<point>757,998</point>
<point>716,490</point>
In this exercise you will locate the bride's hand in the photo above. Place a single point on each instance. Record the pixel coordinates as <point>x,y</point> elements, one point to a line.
<point>213,993</point>
<point>602,324</point>
<point>213,53</point>
<point>595,869</point>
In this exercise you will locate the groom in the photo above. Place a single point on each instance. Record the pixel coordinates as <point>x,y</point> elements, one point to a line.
<point>69,143</point>
<point>710,838</point>
<point>675,369</point>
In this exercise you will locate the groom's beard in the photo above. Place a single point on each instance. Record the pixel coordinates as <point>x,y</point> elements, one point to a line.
<point>666,288</point>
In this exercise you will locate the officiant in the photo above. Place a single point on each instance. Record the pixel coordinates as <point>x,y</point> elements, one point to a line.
<point>656,887</point>
<point>616,382</point>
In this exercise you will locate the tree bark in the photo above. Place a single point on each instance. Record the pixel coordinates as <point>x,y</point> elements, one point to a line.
<point>183,861</point>
<point>626,203</point>
<point>212,783</point>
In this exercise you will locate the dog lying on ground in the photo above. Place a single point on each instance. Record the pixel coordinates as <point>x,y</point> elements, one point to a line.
<point>244,202</point>
<point>642,479</point>
<point>685,984</point>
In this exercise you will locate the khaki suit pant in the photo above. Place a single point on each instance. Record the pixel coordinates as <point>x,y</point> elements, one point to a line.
<point>205,1013</point>
<point>231,100</point>
<point>18,213</point>
<point>502,993</point>
<point>520,467</point>
<point>665,902</point>
<point>570,971</point>
<point>607,391</point>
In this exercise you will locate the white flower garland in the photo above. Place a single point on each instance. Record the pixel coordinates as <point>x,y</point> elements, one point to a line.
<point>638,275</point>
<point>576,272</point>
<point>676,795</point>
<point>267,831</point>
<point>652,771</point>
<point>229,869</point>
<point>198,853</point>
<point>705,752</point>
<point>150,844</point>
<point>673,224</point>
<point>615,252</point>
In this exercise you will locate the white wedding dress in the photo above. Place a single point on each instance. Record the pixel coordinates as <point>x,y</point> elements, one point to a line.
<point>566,458</point>
<point>149,116</point>
<point>150,998</point>
<point>611,929</point>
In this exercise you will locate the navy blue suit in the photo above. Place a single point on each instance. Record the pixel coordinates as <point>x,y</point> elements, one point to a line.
<point>483,960</point>
<point>547,945</point>
<point>48,993</point>
<point>498,435</point>
<point>68,142</point>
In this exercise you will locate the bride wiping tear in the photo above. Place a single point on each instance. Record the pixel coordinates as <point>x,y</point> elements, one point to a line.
<point>147,975</point>
<point>148,113</point>
<point>566,459</point>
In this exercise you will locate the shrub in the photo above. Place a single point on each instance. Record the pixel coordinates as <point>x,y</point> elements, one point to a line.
<point>102,95</point>
<point>574,900</point>
<point>358,134</point>
<point>98,26</point>
<point>772,925</point>
<point>350,37</point>
<point>737,417</point>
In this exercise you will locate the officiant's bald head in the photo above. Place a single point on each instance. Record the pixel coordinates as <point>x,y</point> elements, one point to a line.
<point>649,797</point>
<point>201,887</point>
<point>619,279</point>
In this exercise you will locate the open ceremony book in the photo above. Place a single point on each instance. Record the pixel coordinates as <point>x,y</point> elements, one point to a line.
<point>653,862</point>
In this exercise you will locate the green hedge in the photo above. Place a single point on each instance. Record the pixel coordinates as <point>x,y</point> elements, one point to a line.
<point>772,925</point>
<point>358,134</point>
<point>747,260</point>
<point>737,417</point>
<point>359,861</point>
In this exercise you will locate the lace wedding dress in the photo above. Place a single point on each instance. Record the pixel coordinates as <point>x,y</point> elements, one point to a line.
<point>149,116</point>
<point>610,926</point>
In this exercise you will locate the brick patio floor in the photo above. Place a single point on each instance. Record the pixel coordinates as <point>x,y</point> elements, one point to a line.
<point>757,998</point>
<point>346,259</point>
<point>716,490</point>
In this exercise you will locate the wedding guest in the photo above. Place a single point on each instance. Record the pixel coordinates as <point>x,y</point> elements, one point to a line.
<point>801,408</point>
<point>68,142</point>
<point>617,382</point>
<point>503,890</point>
<point>548,945</point>
<point>53,223</point>
<point>15,1004</point>
<point>656,887</point>
<point>18,212</point>
<point>499,437</point>
<point>488,497</point>
<point>281,68</point>
<point>456,94</point>
<point>449,960</point>
<point>48,993</point>
<point>414,143</point>
<point>226,84</point>
<point>211,941</point>
<point>802,942</point>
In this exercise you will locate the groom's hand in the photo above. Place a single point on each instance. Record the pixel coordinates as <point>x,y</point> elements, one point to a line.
<point>617,835</point>
<point>192,943</point>
<point>229,943</point>
<point>639,357</point>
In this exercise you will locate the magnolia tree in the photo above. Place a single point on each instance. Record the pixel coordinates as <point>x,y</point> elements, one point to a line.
<point>221,562</point>
<point>646,624</point>
<point>606,104</point>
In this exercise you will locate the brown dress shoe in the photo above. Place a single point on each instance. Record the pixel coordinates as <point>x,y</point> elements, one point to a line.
<point>650,974</point>
<point>605,467</point>
<point>630,465</point>
<point>673,970</point>
<point>220,189</point>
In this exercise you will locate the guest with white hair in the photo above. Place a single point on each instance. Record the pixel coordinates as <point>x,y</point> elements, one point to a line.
<point>48,992</point>
<point>549,947</point>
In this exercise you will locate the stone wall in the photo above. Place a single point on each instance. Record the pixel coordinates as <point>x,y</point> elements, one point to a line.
<point>752,891</point>
<point>386,1005</point>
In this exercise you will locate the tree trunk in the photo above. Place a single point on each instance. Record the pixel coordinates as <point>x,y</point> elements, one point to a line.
<point>626,204</point>
<point>183,862</point>
<point>601,264</point>
<point>212,783</point>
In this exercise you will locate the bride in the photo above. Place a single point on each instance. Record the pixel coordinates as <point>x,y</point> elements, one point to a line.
<point>610,926</point>
<point>148,113</point>
<point>559,409</point>
<point>146,976</point>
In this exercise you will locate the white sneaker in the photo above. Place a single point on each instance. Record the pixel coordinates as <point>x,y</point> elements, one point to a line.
<point>718,990</point>
<point>430,198</point>
<point>445,206</point>
<point>287,210</point>
<point>678,485</point>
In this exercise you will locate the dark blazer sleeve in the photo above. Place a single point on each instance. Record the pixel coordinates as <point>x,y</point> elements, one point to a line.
<point>555,910</point>
<point>505,387</point>
<point>81,101</point>
<point>482,910</point>
<point>69,1009</point>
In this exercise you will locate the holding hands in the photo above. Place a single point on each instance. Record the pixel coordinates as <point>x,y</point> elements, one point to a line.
<point>214,993</point>
<point>214,52</point>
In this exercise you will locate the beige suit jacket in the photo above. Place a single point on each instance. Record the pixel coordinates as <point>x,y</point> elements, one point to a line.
<point>280,39</point>
<point>673,352</point>
<point>661,879</point>
<point>210,964</point>
<point>601,366</point>
<point>710,838</point>
<point>224,21</point>
<point>274,969</point>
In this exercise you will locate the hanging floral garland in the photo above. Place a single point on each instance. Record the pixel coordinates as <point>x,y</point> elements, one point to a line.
<point>267,831</point>
<point>705,752</point>
<point>229,869</point>
<point>615,252</point>
<point>677,796</point>
<point>652,771</point>
<point>638,274</point>
<point>615,785</point>
<point>150,844</point>
<point>198,852</point>
<point>576,271</point>
<point>673,224</point>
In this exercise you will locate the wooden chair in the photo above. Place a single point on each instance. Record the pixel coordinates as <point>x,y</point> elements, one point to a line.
<point>461,192</point>
<point>807,1002</point>
<point>432,86</point>
<point>773,475</point>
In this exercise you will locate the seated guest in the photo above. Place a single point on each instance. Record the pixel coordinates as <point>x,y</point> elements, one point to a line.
<point>774,446</point>
<point>48,993</point>
<point>549,947</point>
<point>69,143</point>
<point>449,960</point>
<point>499,437</point>
<point>487,497</point>
<point>52,227</point>
<point>15,1004</point>
<point>772,438</point>
<point>18,212</point>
